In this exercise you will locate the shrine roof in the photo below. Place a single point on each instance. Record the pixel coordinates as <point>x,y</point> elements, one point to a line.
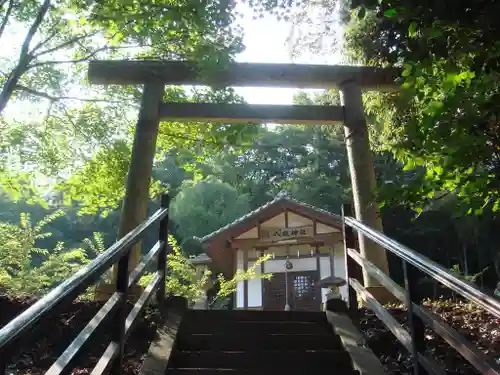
<point>281,203</point>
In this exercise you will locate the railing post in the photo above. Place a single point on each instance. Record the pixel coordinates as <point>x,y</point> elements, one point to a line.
<point>353,270</point>
<point>416,325</point>
<point>5,358</point>
<point>162,254</point>
<point>118,324</point>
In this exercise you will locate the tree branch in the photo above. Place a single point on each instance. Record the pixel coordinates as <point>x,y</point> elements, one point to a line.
<point>42,11</point>
<point>24,57</point>
<point>51,34</point>
<point>6,16</point>
<point>53,98</point>
<point>2,3</point>
<point>68,43</point>
<point>83,59</point>
<point>55,62</point>
<point>70,119</point>
<point>65,44</point>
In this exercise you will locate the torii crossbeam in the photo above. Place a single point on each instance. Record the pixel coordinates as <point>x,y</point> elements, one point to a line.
<point>154,75</point>
<point>130,72</point>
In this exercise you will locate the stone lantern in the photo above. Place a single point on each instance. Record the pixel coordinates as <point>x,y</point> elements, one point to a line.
<point>333,284</point>
<point>201,264</point>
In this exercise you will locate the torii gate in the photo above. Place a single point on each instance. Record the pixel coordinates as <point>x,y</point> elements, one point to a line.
<point>350,80</point>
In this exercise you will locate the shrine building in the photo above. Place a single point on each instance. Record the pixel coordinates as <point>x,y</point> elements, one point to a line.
<point>305,244</point>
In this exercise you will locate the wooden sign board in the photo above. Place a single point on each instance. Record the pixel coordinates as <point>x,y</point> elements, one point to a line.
<point>279,234</point>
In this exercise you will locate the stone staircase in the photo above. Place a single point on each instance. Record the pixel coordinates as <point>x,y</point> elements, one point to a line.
<point>257,342</point>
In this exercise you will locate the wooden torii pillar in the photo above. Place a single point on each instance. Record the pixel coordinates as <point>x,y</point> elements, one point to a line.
<point>351,80</point>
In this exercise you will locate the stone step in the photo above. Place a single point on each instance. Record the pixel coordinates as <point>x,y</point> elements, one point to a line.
<point>191,326</point>
<point>230,341</point>
<point>259,359</point>
<point>248,315</point>
<point>258,372</point>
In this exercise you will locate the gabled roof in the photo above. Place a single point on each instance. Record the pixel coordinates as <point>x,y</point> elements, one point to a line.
<point>269,210</point>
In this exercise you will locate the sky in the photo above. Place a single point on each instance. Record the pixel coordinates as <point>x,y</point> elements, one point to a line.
<point>260,48</point>
<point>266,42</point>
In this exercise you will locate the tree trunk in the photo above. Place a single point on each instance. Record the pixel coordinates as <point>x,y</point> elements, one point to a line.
<point>362,173</point>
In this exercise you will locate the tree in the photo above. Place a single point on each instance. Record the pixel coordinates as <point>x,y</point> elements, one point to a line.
<point>203,207</point>
<point>98,185</point>
<point>292,158</point>
<point>60,34</point>
<point>29,269</point>
<point>183,281</point>
<point>445,120</point>
<point>71,121</point>
<point>315,27</point>
<point>309,161</point>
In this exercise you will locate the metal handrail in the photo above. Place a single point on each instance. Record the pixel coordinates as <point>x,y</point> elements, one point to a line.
<point>66,292</point>
<point>418,317</point>
<point>76,283</point>
<point>428,266</point>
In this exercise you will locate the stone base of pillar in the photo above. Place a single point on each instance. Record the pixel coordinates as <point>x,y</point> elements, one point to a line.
<point>176,303</point>
<point>102,292</point>
<point>381,294</point>
<point>202,304</point>
<point>336,305</point>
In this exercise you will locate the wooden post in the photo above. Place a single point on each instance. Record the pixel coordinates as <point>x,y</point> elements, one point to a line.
<point>234,295</point>
<point>245,282</point>
<point>352,269</point>
<point>415,323</point>
<point>135,203</point>
<point>318,260</point>
<point>331,254</point>
<point>118,323</point>
<point>162,255</point>
<point>363,180</point>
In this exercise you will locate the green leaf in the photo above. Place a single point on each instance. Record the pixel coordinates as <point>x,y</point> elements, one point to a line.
<point>361,13</point>
<point>434,107</point>
<point>436,33</point>
<point>390,13</point>
<point>438,169</point>
<point>412,29</point>
<point>407,70</point>
<point>410,164</point>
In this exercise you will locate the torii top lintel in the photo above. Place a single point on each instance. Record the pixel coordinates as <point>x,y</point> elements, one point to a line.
<point>127,72</point>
